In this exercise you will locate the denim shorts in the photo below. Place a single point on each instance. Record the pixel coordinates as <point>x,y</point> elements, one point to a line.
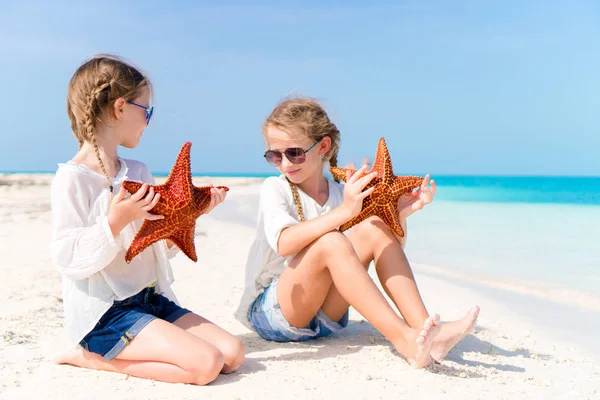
<point>126,318</point>
<point>270,324</point>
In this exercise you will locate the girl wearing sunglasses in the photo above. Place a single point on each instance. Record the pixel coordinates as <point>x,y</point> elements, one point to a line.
<point>302,274</point>
<point>122,317</point>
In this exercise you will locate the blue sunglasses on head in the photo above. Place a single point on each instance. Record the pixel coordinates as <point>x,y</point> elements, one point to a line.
<point>149,110</point>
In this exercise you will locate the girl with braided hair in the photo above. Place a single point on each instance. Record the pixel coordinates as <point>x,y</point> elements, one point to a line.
<point>302,273</point>
<point>124,317</point>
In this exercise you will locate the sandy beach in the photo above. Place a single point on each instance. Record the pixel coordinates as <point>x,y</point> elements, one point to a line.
<point>510,355</point>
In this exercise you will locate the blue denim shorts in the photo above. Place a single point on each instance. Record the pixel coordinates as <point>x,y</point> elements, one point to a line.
<point>126,318</point>
<point>270,324</point>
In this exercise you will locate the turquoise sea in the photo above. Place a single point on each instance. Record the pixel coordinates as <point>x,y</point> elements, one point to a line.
<point>538,229</point>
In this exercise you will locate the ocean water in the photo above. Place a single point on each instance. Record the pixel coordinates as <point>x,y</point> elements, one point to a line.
<point>534,190</point>
<point>538,229</point>
<point>540,242</point>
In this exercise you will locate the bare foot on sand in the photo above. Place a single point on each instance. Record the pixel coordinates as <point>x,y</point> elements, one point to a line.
<point>423,342</point>
<point>78,357</point>
<point>452,333</point>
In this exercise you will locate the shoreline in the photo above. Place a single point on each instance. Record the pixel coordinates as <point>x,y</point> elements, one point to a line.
<point>544,290</point>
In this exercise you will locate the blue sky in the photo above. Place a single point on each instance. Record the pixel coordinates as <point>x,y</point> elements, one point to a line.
<point>462,87</point>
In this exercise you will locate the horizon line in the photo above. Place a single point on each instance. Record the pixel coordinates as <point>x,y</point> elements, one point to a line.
<point>268,174</point>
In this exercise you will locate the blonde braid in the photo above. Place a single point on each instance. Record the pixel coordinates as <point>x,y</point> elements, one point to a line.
<point>89,128</point>
<point>110,186</point>
<point>297,202</point>
<point>333,163</point>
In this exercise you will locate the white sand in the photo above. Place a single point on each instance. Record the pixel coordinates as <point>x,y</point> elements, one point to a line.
<point>509,355</point>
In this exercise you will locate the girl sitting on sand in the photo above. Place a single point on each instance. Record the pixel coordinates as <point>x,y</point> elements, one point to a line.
<point>302,274</point>
<point>124,316</point>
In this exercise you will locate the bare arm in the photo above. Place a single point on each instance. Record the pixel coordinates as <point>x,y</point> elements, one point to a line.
<point>297,237</point>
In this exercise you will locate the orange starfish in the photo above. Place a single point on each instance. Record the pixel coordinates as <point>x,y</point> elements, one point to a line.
<point>383,202</point>
<point>181,203</point>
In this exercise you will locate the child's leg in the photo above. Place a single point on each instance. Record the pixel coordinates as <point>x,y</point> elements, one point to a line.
<point>161,351</point>
<point>373,240</point>
<point>304,285</point>
<point>230,346</point>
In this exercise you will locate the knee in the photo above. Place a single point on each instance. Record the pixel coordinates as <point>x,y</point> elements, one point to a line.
<point>333,243</point>
<point>207,367</point>
<point>234,354</point>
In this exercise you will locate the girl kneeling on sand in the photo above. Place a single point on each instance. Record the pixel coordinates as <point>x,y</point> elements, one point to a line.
<point>124,316</point>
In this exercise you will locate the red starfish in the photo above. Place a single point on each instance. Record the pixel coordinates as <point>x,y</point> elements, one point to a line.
<point>383,202</point>
<point>180,202</point>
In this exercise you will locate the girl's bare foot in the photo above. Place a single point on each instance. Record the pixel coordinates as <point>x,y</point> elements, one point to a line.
<point>78,357</point>
<point>452,333</point>
<point>423,340</point>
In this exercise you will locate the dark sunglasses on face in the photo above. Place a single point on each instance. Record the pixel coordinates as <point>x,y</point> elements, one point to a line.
<point>149,110</point>
<point>295,155</point>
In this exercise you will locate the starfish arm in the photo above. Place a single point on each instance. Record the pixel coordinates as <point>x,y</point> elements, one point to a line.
<point>202,198</point>
<point>131,186</point>
<point>164,205</point>
<point>383,163</point>
<point>392,219</point>
<point>181,173</point>
<point>405,184</point>
<point>184,239</point>
<point>366,212</point>
<point>161,207</point>
<point>340,173</point>
<point>149,233</point>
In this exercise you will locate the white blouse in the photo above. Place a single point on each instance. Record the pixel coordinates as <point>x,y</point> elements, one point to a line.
<point>276,212</point>
<point>92,261</point>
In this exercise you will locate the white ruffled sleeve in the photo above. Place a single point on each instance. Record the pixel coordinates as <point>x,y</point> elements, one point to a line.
<point>79,247</point>
<point>276,206</point>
